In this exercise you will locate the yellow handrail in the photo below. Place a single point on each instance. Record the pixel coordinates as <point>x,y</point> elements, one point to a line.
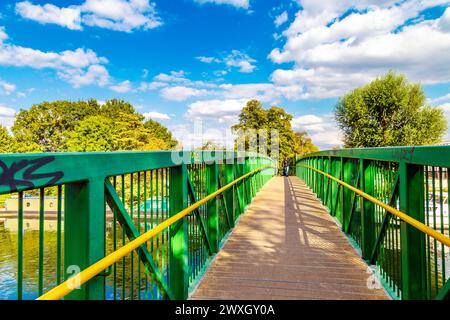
<point>411,221</point>
<point>84,276</point>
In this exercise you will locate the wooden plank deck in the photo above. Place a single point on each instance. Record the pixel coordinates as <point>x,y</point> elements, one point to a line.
<point>287,246</point>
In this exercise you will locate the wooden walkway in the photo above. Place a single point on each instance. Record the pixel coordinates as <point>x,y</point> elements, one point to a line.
<point>286,246</point>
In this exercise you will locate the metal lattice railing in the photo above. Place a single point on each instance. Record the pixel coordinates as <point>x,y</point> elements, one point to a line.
<point>65,212</point>
<point>412,256</point>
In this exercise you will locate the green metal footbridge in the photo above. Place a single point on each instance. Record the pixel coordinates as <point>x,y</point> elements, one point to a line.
<point>351,224</point>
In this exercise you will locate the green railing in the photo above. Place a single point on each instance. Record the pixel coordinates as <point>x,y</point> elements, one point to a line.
<point>411,263</point>
<point>66,211</point>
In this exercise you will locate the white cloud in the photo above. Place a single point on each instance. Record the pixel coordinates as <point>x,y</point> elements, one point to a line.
<point>156,115</point>
<point>281,19</point>
<point>265,92</point>
<point>222,111</point>
<point>207,59</point>
<point>236,59</point>
<point>241,61</point>
<point>78,67</point>
<point>244,4</point>
<point>7,115</point>
<point>94,74</point>
<point>181,93</point>
<point>144,86</point>
<point>173,76</point>
<point>119,15</point>
<point>176,79</point>
<point>6,87</point>
<point>333,55</point>
<point>123,87</point>
<point>3,35</point>
<point>49,13</point>
<point>322,130</point>
<point>440,99</point>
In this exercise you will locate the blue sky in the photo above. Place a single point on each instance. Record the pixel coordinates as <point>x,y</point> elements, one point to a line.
<point>186,61</point>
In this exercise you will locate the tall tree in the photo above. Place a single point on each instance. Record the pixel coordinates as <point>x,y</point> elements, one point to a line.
<point>86,126</point>
<point>262,124</point>
<point>390,111</point>
<point>159,131</point>
<point>5,140</point>
<point>46,124</point>
<point>304,144</point>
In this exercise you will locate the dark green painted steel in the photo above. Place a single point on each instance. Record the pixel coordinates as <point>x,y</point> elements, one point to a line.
<point>84,234</point>
<point>104,200</point>
<point>415,180</point>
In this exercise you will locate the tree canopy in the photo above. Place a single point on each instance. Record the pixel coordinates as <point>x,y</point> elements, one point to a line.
<point>390,111</point>
<point>304,144</point>
<point>272,121</point>
<point>84,126</point>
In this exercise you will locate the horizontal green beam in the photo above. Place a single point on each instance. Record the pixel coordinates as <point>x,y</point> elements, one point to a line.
<point>438,156</point>
<point>21,172</point>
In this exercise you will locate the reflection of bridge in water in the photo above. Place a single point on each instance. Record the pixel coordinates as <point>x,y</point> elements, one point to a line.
<point>353,224</point>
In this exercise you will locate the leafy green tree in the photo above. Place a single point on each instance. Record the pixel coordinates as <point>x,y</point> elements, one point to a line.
<point>265,122</point>
<point>114,107</point>
<point>390,111</point>
<point>46,124</point>
<point>304,144</point>
<point>86,126</point>
<point>5,140</point>
<point>94,133</point>
<point>159,131</point>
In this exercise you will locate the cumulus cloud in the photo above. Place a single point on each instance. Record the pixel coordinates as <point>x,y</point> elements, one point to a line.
<point>7,115</point>
<point>49,13</point>
<point>78,67</point>
<point>243,4</point>
<point>156,115</point>
<point>223,111</point>
<point>333,52</point>
<point>123,87</point>
<point>6,87</point>
<point>207,59</point>
<point>322,129</point>
<point>181,93</point>
<point>119,15</point>
<point>235,59</point>
<point>281,19</point>
<point>176,79</point>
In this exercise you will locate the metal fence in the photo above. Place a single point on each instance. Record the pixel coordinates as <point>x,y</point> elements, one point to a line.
<point>100,202</point>
<point>412,263</point>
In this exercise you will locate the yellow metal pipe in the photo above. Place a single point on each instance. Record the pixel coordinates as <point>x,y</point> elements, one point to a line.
<point>411,221</point>
<point>84,276</point>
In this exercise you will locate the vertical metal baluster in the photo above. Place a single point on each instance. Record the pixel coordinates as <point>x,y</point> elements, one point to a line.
<point>152,225</point>
<point>428,243</point>
<point>436,284</point>
<point>441,206</point>
<point>41,243</point>
<point>114,230</point>
<point>157,223</point>
<point>132,219</point>
<point>139,231</point>
<point>145,230</point>
<point>58,235</point>
<point>123,243</point>
<point>20,247</point>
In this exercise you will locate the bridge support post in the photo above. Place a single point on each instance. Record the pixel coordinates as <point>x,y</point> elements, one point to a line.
<point>178,255</point>
<point>412,241</point>
<point>229,194</point>
<point>213,208</point>
<point>367,183</point>
<point>84,230</point>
